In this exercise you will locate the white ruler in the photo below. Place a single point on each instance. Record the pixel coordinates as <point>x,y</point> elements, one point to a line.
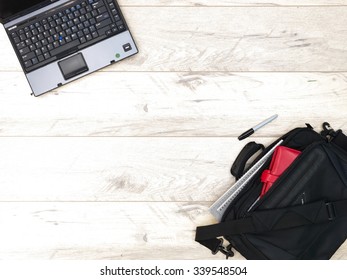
<point>218,208</point>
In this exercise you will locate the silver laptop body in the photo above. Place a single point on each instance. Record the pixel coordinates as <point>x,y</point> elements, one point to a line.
<point>75,58</point>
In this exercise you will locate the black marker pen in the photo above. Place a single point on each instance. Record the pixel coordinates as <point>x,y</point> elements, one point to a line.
<point>249,132</point>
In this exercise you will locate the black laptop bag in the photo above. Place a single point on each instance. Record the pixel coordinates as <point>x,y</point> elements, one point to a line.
<point>304,213</point>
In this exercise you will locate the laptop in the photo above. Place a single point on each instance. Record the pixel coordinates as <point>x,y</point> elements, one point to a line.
<point>59,41</point>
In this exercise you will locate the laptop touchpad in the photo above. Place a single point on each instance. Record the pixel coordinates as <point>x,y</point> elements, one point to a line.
<point>73,66</point>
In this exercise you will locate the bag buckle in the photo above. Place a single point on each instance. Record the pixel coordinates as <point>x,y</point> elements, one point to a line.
<point>224,250</point>
<point>331,211</point>
<point>329,132</point>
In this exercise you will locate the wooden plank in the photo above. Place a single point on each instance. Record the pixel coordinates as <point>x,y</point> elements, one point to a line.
<point>101,231</point>
<point>173,104</point>
<point>237,39</point>
<point>105,231</point>
<point>116,169</point>
<point>229,3</point>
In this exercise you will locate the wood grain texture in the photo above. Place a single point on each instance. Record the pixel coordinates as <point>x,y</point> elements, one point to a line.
<point>237,39</point>
<point>230,3</point>
<point>105,231</point>
<point>173,104</point>
<point>116,169</point>
<point>124,163</point>
<point>101,231</point>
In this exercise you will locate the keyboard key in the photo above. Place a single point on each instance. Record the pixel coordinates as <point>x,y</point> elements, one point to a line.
<point>102,10</point>
<point>16,40</point>
<point>103,24</point>
<point>41,58</point>
<point>102,17</point>
<point>46,55</point>
<point>98,4</point>
<point>35,61</point>
<point>20,45</point>
<point>74,29</point>
<point>27,64</point>
<point>83,40</point>
<point>28,56</point>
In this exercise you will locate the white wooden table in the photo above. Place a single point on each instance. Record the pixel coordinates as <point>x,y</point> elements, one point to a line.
<point>124,163</point>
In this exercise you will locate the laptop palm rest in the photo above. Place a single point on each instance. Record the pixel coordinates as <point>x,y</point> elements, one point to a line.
<point>73,66</point>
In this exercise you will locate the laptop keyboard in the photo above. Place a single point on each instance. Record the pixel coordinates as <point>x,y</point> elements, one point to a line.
<point>74,27</point>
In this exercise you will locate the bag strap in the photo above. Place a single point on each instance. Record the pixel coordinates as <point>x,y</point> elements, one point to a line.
<point>267,220</point>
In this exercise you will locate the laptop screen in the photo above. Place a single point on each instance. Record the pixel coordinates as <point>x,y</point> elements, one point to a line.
<point>9,8</point>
